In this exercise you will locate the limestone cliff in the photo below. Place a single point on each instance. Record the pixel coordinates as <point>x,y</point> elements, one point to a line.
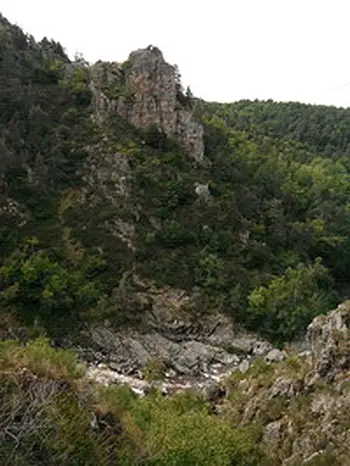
<point>146,91</point>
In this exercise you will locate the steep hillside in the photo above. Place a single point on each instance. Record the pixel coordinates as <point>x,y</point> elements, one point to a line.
<point>173,244</point>
<point>109,170</point>
<point>284,409</point>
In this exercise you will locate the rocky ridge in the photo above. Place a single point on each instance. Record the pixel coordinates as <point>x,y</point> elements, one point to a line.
<point>146,91</point>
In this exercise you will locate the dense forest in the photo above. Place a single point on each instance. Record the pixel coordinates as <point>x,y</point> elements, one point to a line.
<point>322,129</point>
<point>268,244</point>
<point>275,223</point>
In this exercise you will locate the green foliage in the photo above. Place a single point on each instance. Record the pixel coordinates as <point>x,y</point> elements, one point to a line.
<point>284,308</point>
<point>209,271</point>
<point>279,184</point>
<point>325,458</point>
<point>39,358</point>
<point>60,420</point>
<point>197,439</point>
<point>280,199</point>
<point>180,431</point>
<point>322,129</point>
<point>40,289</point>
<point>274,206</point>
<point>76,81</point>
<point>155,370</point>
<point>126,65</point>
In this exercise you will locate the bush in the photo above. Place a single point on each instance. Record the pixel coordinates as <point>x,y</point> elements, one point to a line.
<point>198,439</point>
<point>180,431</point>
<point>155,370</point>
<point>40,359</point>
<point>41,289</point>
<point>283,309</point>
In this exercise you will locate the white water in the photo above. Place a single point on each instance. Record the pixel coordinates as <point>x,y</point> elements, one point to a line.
<point>105,376</point>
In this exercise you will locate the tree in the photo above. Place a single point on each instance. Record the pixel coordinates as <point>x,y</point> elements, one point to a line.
<point>283,309</point>
<point>188,93</point>
<point>177,76</point>
<point>39,289</point>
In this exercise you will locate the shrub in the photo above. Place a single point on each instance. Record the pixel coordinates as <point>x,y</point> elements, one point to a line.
<point>282,310</point>
<point>155,370</point>
<point>40,359</point>
<point>181,431</point>
<point>39,288</point>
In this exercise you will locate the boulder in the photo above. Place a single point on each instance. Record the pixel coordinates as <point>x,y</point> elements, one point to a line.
<point>286,388</point>
<point>272,434</point>
<point>275,355</point>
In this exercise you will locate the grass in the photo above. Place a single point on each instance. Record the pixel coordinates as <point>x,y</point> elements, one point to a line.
<point>40,359</point>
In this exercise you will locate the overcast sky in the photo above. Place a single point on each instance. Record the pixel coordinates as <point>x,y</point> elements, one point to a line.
<point>226,49</point>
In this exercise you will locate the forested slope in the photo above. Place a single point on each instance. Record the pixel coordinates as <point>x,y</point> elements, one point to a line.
<point>323,129</point>
<point>266,217</point>
<point>119,192</point>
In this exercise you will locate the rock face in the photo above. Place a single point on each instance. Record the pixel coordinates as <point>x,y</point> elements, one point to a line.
<point>205,346</point>
<point>146,91</point>
<point>303,399</point>
<point>328,337</point>
<point>191,346</point>
<point>275,355</point>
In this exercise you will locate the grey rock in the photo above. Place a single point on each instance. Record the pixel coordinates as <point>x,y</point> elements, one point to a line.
<point>213,392</point>
<point>115,366</point>
<point>272,434</point>
<point>286,388</point>
<point>261,347</point>
<point>275,355</point>
<point>305,354</point>
<point>249,345</point>
<point>202,190</point>
<point>243,385</point>
<point>312,457</point>
<point>242,345</point>
<point>328,337</point>
<point>321,405</point>
<point>170,374</point>
<point>151,96</point>
<point>244,365</point>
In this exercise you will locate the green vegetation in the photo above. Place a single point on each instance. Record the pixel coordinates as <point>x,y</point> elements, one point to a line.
<point>155,370</point>
<point>42,291</point>
<point>60,420</point>
<point>289,303</point>
<point>270,246</point>
<point>323,130</point>
<point>40,359</point>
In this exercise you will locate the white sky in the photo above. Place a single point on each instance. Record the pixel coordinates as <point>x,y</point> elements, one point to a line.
<point>226,49</point>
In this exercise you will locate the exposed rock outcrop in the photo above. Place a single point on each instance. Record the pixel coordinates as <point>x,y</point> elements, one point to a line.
<point>302,399</point>
<point>146,91</point>
<point>192,347</point>
<point>304,423</point>
<point>275,355</point>
<point>329,339</point>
